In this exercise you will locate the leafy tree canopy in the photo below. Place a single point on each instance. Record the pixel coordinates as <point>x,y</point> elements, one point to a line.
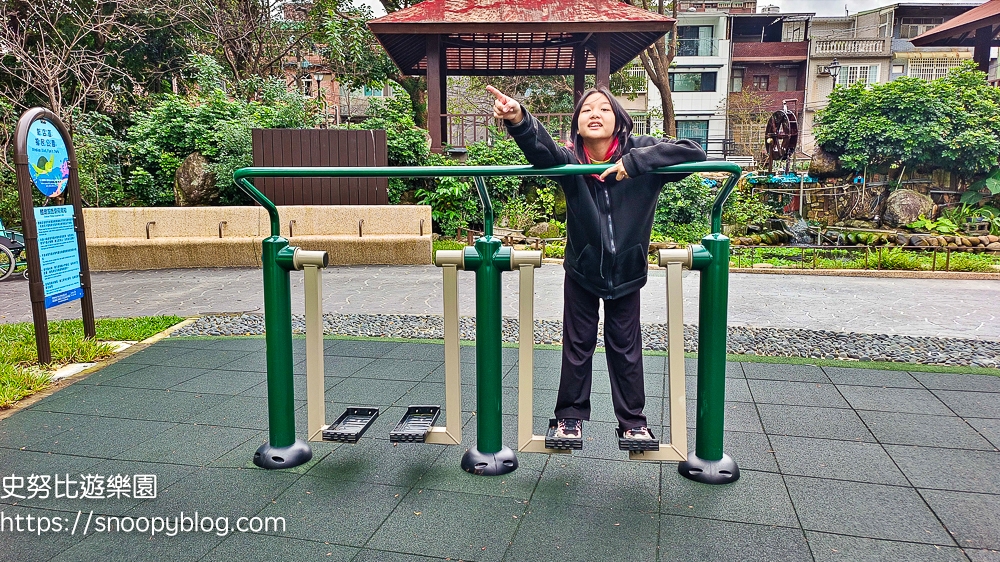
<point>951,123</point>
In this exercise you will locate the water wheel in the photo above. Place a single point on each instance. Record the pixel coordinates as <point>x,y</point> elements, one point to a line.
<point>780,137</point>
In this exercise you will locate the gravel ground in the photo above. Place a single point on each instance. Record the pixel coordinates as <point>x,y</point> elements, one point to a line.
<point>742,340</point>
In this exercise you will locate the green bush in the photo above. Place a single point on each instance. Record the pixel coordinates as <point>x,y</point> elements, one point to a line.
<point>682,210</point>
<point>745,207</point>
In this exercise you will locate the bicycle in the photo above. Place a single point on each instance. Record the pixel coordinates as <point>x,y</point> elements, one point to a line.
<point>13,255</point>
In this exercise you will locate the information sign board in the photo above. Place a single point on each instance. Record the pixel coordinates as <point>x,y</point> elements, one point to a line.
<point>59,253</point>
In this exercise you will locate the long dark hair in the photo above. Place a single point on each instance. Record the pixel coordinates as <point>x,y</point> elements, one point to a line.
<point>623,125</point>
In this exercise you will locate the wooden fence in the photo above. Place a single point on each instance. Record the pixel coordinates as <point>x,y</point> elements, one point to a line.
<point>321,147</point>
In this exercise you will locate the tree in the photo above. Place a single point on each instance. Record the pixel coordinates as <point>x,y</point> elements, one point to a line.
<point>62,54</point>
<point>748,115</point>
<point>657,58</point>
<point>951,123</point>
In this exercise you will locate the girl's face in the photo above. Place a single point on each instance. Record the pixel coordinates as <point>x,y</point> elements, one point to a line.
<point>597,118</point>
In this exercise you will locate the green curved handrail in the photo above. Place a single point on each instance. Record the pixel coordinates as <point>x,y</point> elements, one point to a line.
<point>243,175</point>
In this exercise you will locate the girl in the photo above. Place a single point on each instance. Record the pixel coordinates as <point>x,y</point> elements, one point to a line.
<point>608,222</point>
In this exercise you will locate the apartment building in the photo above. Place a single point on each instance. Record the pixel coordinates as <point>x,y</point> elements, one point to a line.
<point>698,79</point>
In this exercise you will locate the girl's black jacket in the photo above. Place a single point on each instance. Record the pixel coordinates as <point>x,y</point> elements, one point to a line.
<point>608,223</point>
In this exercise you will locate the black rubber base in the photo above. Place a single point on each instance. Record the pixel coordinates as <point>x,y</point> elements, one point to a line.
<point>503,461</point>
<point>722,471</point>
<point>283,457</point>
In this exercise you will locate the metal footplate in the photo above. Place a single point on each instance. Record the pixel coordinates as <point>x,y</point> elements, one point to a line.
<point>415,425</point>
<point>637,444</point>
<point>553,442</point>
<point>351,425</point>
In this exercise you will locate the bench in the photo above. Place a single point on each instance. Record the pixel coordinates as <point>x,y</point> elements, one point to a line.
<point>135,238</point>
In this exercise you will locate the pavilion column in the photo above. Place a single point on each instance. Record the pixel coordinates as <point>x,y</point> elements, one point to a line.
<point>984,40</point>
<point>434,78</point>
<point>444,94</point>
<point>603,60</point>
<point>579,72</point>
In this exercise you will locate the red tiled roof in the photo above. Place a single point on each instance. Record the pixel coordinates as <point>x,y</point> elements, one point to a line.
<point>967,23</point>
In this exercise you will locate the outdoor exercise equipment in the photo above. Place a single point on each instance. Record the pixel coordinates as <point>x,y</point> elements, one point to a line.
<point>488,258</point>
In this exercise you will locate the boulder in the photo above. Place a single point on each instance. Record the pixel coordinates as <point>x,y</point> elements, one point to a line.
<point>994,246</point>
<point>824,165</point>
<point>194,184</point>
<point>905,206</point>
<point>543,230</point>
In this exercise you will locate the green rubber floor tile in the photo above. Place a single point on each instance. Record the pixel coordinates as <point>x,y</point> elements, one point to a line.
<point>189,444</point>
<point>102,437</point>
<point>18,463</point>
<point>508,355</point>
<point>829,458</point>
<point>971,404</point>
<point>397,369</point>
<point>450,524</point>
<point>757,497</point>
<point>558,532</point>
<point>949,469</point>
<point>379,462</point>
<point>689,538</point>
<point>228,383</point>
<point>23,546</point>
<point>446,475</point>
<point>27,427</point>
<point>904,400</point>
<point>973,519</point>
<point>751,451</point>
<point>254,362</point>
<point>359,348</point>
<point>865,510</point>
<point>796,393</point>
<point>185,342</point>
<point>156,377</point>
<point>807,421</point>
<point>260,389</point>
<point>616,485</point>
<point>110,372</point>
<point>370,392</point>
<point>417,351</point>
<point>959,381</point>
<point>737,390</point>
<point>140,547</point>
<point>840,548</point>
<point>254,547</point>
<point>892,428</point>
<point>369,555</point>
<point>603,410</point>
<point>227,343</point>
<point>343,366</point>
<point>345,512</point>
<point>871,377</point>
<point>246,412</point>
<point>988,428</point>
<point>134,403</point>
<point>201,358</point>
<point>782,372</point>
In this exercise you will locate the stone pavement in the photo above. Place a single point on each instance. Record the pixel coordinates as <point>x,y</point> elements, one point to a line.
<point>916,307</point>
<point>837,464</point>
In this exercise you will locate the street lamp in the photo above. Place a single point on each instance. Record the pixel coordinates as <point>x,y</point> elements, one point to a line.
<point>834,69</point>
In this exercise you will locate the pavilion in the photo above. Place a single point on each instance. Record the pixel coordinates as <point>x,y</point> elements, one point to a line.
<point>441,38</point>
<point>978,28</point>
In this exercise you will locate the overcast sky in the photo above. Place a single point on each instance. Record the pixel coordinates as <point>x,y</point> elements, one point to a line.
<point>836,7</point>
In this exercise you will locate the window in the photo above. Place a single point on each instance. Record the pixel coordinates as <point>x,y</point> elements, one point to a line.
<point>866,74</point>
<point>788,79</point>
<point>374,92</point>
<point>696,41</point>
<point>737,83</point>
<point>883,24</point>
<point>694,130</point>
<point>929,69</point>
<point>793,31</point>
<point>692,81</point>
<point>761,81</point>
<point>911,27</point>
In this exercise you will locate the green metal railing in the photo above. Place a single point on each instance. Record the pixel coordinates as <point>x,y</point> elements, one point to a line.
<point>707,463</point>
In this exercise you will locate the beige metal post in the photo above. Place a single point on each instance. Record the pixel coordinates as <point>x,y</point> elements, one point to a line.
<point>676,449</point>
<point>451,433</point>
<point>315,390</point>
<point>527,441</point>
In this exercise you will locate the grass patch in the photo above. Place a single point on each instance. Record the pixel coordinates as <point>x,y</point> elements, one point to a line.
<point>445,244</point>
<point>20,373</point>
<point>864,258</point>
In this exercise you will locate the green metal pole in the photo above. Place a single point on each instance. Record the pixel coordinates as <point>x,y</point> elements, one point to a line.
<point>489,372</point>
<point>712,322</point>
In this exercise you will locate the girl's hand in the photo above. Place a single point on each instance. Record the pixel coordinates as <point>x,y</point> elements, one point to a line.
<point>618,169</point>
<point>505,108</point>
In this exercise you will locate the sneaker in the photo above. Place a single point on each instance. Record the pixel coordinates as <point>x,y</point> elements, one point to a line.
<point>569,428</point>
<point>638,433</point>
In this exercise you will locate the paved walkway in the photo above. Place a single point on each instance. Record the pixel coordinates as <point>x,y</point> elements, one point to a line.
<point>837,464</point>
<point>917,307</point>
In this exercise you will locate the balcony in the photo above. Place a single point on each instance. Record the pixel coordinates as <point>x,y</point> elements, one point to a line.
<point>797,51</point>
<point>850,47</point>
<point>698,47</point>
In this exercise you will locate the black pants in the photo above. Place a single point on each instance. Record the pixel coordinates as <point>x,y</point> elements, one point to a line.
<point>623,344</point>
